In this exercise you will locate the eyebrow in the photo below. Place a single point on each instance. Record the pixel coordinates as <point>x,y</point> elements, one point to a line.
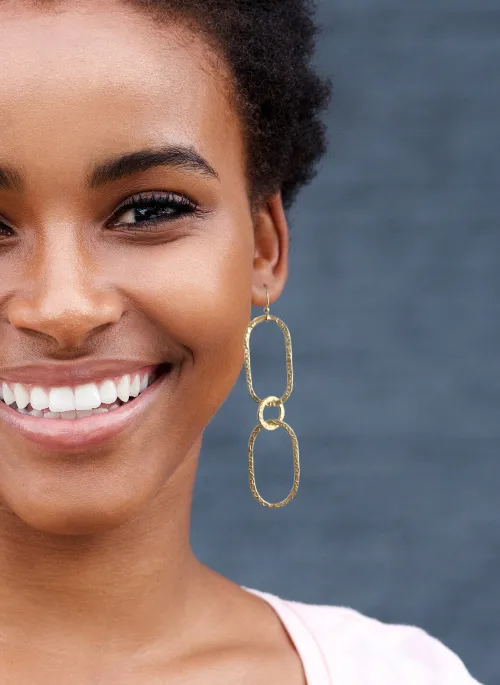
<point>127,164</point>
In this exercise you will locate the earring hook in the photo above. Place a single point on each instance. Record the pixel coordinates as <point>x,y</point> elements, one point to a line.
<point>266,308</point>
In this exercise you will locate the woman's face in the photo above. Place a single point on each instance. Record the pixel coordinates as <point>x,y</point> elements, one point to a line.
<point>83,280</point>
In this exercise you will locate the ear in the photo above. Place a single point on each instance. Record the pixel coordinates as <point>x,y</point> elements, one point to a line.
<point>270,264</point>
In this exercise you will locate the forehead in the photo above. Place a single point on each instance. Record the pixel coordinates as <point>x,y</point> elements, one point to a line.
<point>99,77</point>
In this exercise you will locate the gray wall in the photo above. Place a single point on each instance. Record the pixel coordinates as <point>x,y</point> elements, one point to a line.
<point>392,306</point>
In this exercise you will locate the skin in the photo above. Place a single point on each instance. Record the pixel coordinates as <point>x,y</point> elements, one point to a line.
<point>95,545</point>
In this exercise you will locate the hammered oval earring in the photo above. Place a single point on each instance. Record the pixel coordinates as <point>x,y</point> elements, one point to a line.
<point>271,401</point>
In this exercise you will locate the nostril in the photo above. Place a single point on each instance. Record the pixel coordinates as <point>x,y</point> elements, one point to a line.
<point>69,316</point>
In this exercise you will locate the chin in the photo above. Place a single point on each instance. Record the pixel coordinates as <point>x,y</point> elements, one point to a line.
<point>82,502</point>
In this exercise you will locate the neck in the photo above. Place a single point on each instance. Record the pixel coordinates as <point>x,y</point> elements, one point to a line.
<point>121,589</point>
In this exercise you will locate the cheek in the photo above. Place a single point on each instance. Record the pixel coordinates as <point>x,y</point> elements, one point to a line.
<point>197,291</point>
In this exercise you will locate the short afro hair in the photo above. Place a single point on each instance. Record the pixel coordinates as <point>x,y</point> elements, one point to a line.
<point>268,46</point>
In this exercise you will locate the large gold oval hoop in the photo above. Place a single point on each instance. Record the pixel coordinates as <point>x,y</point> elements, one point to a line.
<point>288,352</point>
<point>296,464</point>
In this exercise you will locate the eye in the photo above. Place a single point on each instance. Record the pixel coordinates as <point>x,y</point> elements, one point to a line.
<point>145,211</point>
<point>5,231</point>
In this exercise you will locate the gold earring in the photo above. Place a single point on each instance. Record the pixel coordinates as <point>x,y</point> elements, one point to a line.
<point>271,401</point>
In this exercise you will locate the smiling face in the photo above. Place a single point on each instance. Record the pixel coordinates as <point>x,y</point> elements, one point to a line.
<point>150,259</point>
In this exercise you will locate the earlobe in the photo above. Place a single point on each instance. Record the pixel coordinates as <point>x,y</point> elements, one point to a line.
<point>270,264</point>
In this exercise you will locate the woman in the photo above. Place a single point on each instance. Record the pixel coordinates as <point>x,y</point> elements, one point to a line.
<point>148,152</point>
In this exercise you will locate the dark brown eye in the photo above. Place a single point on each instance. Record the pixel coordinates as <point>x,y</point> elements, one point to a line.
<point>148,210</point>
<point>5,231</point>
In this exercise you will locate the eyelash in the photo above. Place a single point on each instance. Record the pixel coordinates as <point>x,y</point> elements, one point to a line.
<point>179,204</point>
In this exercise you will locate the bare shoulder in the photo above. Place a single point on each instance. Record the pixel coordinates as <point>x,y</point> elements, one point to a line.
<point>249,645</point>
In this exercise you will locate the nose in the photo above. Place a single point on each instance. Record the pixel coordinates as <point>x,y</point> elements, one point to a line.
<point>64,301</point>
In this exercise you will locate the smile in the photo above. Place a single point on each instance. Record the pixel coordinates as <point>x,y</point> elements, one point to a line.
<point>78,416</point>
<point>80,401</point>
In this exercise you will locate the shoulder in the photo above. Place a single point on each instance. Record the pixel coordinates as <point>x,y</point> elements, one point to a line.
<point>358,649</point>
<point>379,652</point>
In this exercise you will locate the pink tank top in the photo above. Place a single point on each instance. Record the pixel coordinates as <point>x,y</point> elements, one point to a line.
<point>339,646</point>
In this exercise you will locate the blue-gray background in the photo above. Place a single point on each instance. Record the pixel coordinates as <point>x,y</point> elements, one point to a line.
<point>392,303</point>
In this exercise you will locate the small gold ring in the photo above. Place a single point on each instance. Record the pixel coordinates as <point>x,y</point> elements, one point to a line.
<point>270,401</point>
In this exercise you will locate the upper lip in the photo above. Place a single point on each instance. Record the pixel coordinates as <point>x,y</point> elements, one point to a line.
<point>72,373</point>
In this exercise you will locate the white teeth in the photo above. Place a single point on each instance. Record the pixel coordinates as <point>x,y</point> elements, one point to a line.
<point>135,386</point>
<point>39,399</point>
<point>87,397</point>
<point>107,392</point>
<point>61,399</point>
<point>22,396</point>
<point>72,403</point>
<point>123,388</point>
<point>8,395</point>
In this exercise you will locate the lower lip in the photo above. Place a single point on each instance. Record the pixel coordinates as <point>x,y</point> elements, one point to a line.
<point>69,435</point>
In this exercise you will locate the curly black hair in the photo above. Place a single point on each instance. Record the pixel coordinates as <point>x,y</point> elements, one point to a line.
<point>269,46</point>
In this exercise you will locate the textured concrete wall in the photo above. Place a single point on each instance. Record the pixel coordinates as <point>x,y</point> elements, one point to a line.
<point>392,303</point>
